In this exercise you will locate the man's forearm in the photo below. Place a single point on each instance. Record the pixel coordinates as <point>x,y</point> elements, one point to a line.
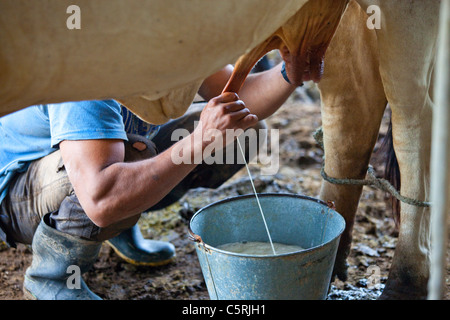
<point>265,92</point>
<point>125,189</point>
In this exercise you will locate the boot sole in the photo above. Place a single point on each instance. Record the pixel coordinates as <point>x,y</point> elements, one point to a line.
<point>139,263</point>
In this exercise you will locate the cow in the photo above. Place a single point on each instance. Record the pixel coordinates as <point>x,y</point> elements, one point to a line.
<point>130,53</point>
<point>149,55</point>
<point>364,71</point>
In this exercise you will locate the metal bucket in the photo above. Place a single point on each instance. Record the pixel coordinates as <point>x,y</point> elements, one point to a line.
<point>291,219</point>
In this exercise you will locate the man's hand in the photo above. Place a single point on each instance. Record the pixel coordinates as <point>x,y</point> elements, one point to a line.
<point>222,113</point>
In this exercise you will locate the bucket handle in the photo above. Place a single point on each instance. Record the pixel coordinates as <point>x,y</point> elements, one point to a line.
<point>196,238</point>
<point>331,205</point>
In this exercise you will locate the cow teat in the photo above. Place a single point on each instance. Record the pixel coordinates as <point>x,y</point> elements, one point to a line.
<point>306,37</point>
<point>302,42</point>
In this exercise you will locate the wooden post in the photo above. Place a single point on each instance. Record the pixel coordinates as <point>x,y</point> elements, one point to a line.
<point>440,159</point>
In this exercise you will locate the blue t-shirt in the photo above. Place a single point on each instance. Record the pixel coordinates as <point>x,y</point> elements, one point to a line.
<point>36,131</point>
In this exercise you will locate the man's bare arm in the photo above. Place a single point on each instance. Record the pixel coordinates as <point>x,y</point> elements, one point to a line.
<point>263,93</point>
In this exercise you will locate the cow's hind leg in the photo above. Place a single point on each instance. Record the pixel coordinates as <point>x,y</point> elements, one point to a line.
<point>407,48</point>
<point>353,102</point>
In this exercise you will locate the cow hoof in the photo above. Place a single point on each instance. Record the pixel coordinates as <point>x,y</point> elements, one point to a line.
<point>340,269</point>
<point>402,293</point>
<point>390,295</point>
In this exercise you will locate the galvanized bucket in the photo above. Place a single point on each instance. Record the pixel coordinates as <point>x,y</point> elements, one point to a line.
<point>291,219</point>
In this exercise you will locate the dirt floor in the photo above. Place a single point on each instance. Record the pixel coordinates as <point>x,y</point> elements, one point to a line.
<point>375,234</point>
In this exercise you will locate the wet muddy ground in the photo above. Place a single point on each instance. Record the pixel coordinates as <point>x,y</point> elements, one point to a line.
<point>375,234</point>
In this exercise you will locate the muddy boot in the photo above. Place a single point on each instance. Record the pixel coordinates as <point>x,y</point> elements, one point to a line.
<point>49,276</point>
<point>131,246</point>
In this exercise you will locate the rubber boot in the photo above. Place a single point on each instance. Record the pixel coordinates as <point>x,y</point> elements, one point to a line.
<point>49,276</point>
<point>131,246</point>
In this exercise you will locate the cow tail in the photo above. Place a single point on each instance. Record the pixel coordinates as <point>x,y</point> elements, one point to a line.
<point>392,170</point>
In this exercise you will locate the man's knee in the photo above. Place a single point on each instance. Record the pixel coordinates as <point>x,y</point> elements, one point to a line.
<point>71,219</point>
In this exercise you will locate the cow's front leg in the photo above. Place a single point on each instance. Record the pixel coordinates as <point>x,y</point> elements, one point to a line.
<point>407,40</point>
<point>353,102</point>
<point>347,154</point>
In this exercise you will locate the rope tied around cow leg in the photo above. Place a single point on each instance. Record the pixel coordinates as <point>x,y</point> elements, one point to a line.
<point>371,179</point>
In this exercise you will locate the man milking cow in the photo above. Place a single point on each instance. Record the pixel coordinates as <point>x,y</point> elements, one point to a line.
<point>76,174</point>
